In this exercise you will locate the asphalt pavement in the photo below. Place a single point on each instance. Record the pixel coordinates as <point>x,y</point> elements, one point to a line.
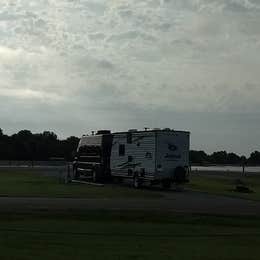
<point>180,202</point>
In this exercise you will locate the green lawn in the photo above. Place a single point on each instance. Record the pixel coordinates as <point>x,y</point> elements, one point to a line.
<point>29,183</point>
<point>128,235</point>
<point>225,185</point>
<point>66,235</point>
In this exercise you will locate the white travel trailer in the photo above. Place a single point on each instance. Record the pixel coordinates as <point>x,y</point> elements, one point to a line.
<point>154,156</point>
<point>158,156</point>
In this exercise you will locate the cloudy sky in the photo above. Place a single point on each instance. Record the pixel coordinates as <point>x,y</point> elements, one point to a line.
<point>72,66</point>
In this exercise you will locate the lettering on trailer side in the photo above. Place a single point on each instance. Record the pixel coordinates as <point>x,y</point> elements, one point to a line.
<point>170,156</point>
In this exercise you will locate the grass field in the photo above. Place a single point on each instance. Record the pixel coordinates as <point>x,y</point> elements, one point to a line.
<point>128,235</point>
<point>24,183</point>
<point>80,234</point>
<point>225,185</point>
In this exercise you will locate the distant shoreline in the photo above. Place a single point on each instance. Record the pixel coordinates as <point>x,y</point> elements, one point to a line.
<point>226,168</point>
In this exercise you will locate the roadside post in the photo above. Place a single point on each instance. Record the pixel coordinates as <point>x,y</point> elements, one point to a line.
<point>243,159</point>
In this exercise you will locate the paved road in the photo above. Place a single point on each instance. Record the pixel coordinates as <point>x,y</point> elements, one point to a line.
<point>185,202</point>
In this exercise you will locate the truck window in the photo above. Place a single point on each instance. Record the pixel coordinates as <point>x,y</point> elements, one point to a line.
<point>121,150</point>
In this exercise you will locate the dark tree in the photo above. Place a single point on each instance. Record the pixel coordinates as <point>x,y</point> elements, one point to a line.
<point>254,158</point>
<point>27,146</point>
<point>198,157</point>
<point>69,147</point>
<point>219,157</point>
<point>233,158</point>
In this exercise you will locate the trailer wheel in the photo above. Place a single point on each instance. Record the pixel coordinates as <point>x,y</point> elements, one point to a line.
<point>166,184</point>
<point>179,175</point>
<point>118,179</point>
<point>136,182</point>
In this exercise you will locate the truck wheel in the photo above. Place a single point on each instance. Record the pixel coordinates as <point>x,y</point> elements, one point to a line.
<point>166,184</point>
<point>75,174</point>
<point>95,178</point>
<point>136,182</point>
<point>96,175</point>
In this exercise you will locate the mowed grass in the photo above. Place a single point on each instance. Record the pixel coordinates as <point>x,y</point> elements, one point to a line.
<point>225,185</point>
<point>29,183</point>
<point>128,235</point>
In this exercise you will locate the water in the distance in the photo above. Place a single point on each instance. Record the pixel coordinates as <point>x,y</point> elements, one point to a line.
<point>226,169</point>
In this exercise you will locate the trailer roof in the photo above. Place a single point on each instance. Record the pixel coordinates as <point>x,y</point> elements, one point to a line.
<point>152,130</point>
<point>139,131</point>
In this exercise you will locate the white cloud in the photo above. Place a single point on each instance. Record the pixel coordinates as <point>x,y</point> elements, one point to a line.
<point>181,55</point>
<point>139,47</point>
<point>31,94</point>
<point>9,54</point>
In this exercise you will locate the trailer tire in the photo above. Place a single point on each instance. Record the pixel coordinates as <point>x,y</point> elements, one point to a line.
<point>180,175</point>
<point>166,184</point>
<point>118,180</point>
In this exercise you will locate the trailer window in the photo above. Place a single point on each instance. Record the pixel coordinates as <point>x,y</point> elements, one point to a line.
<point>121,150</point>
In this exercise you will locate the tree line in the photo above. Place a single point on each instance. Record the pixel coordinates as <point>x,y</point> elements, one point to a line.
<point>44,146</point>
<point>26,146</point>
<point>223,157</point>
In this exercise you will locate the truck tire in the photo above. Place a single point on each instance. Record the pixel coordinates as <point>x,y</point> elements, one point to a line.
<point>75,174</point>
<point>96,175</point>
<point>136,182</point>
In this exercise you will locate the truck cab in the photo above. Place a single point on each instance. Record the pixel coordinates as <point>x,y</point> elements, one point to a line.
<point>92,160</point>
